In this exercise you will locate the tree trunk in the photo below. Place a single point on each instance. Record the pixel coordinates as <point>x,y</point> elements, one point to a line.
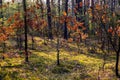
<point>58,41</point>
<point>92,10</point>
<point>84,7</point>
<point>25,27</point>
<point>32,38</point>
<point>50,36</point>
<point>65,24</point>
<point>119,2</point>
<point>117,61</point>
<point>117,65</point>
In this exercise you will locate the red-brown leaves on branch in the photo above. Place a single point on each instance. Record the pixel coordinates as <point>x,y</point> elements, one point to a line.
<point>70,40</point>
<point>3,37</point>
<point>80,4</point>
<point>64,13</point>
<point>110,30</point>
<point>118,31</point>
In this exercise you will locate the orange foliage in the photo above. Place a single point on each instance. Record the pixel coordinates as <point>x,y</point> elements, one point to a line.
<point>110,30</point>
<point>9,19</point>
<point>84,36</point>
<point>3,37</point>
<point>64,13</point>
<point>118,31</point>
<point>98,7</point>
<point>70,40</point>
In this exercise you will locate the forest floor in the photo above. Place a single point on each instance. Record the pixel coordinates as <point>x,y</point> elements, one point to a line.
<point>86,65</point>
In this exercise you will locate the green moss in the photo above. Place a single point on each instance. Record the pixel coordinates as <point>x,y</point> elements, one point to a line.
<point>42,64</point>
<point>3,74</point>
<point>60,70</point>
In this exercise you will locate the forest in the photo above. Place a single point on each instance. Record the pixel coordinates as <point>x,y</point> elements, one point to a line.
<point>59,39</point>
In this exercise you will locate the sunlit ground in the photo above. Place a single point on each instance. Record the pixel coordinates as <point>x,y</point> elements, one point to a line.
<point>73,66</point>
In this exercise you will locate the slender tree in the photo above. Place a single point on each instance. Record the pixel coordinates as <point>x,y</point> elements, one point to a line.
<point>58,41</point>
<point>119,2</point>
<point>92,10</point>
<point>25,27</point>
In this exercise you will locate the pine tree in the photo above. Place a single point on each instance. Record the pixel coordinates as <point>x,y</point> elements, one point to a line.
<point>25,28</point>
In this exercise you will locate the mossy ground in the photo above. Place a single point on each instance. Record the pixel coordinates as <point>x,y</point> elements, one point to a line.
<point>73,66</point>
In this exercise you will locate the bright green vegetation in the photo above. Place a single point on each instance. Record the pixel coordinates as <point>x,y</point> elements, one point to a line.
<point>42,65</point>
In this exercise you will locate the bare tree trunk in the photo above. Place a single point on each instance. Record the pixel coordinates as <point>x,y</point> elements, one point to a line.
<point>117,61</point>
<point>26,28</point>
<point>58,41</point>
<point>119,2</point>
<point>50,36</point>
<point>92,10</point>
<point>65,24</point>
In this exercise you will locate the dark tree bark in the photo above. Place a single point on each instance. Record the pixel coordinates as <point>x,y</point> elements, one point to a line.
<point>92,10</point>
<point>79,10</point>
<point>84,7</point>
<point>117,61</point>
<point>65,24</point>
<point>58,42</point>
<point>50,36</point>
<point>119,2</point>
<point>25,27</point>
<point>112,6</point>
<point>92,7</point>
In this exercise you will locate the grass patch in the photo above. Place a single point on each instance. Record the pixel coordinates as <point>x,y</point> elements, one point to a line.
<point>42,64</point>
